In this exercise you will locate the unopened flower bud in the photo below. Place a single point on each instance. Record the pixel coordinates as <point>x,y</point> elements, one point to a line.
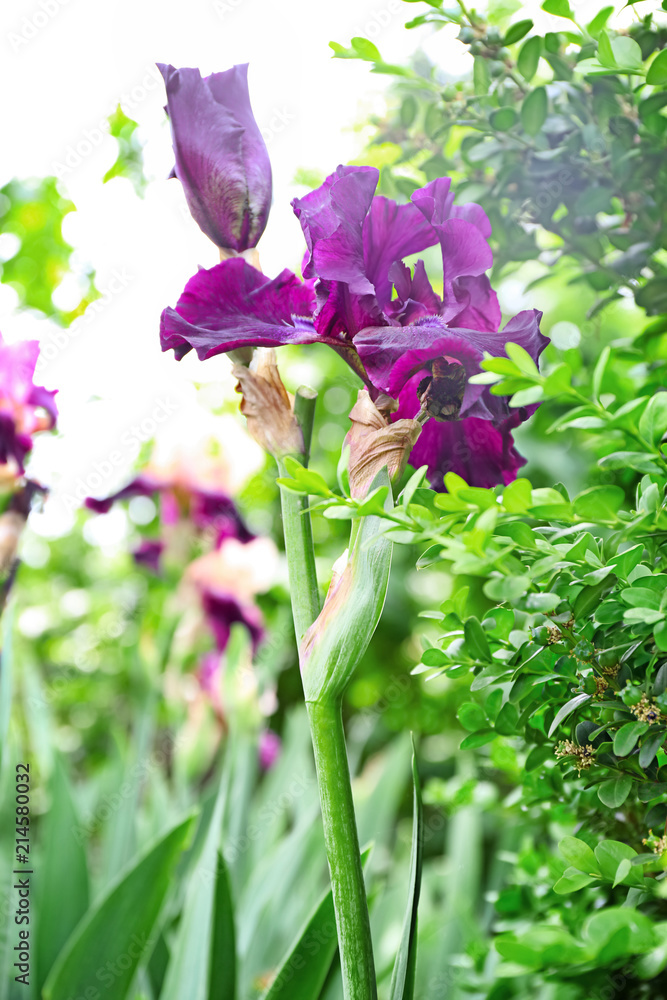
<point>221,157</point>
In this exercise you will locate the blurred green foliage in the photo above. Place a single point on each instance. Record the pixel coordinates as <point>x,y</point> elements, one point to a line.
<point>32,212</point>
<point>561,137</point>
<point>129,162</point>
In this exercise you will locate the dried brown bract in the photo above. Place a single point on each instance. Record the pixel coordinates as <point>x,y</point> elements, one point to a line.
<point>375,443</point>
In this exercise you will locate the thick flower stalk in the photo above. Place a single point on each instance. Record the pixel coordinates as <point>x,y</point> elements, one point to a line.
<point>336,638</point>
<point>221,158</point>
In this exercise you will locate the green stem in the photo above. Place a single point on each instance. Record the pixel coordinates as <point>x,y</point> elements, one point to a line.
<point>342,845</point>
<point>298,531</point>
<point>328,737</point>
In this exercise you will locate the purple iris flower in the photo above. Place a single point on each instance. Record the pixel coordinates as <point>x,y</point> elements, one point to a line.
<point>148,554</point>
<point>25,408</point>
<point>208,509</point>
<point>383,316</point>
<point>223,609</point>
<point>221,157</point>
<point>270,746</point>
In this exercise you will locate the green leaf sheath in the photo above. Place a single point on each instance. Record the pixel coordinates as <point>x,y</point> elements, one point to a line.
<point>298,530</point>
<point>342,845</point>
<point>340,636</point>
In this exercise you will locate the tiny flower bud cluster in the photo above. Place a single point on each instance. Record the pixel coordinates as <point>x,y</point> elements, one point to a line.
<point>657,844</point>
<point>601,685</point>
<point>647,710</point>
<point>584,756</point>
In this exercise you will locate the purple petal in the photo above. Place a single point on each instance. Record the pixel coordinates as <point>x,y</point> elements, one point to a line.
<point>222,610</point>
<point>416,298</point>
<point>148,554</point>
<point>13,444</point>
<point>477,304</point>
<point>332,218</point>
<point>215,510</point>
<point>480,451</point>
<point>340,315</point>
<point>233,305</point>
<point>21,400</point>
<point>17,367</point>
<point>392,232</point>
<point>221,157</point>
<point>45,400</point>
<point>473,213</point>
<point>394,355</point>
<point>142,486</point>
<point>462,231</point>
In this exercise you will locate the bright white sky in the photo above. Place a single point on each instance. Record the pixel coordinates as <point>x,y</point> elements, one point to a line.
<point>64,65</point>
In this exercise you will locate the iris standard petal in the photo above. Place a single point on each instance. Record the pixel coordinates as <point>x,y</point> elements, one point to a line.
<point>390,233</point>
<point>332,218</point>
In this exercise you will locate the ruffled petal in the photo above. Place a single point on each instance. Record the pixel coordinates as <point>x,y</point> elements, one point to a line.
<point>462,231</point>
<point>415,296</point>
<point>332,218</point>
<point>393,355</point>
<point>233,305</point>
<point>340,315</point>
<point>390,233</point>
<point>477,304</point>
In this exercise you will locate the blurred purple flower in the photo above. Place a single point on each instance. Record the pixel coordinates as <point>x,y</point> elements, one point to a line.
<point>221,157</point>
<point>148,554</point>
<point>208,673</point>
<point>270,745</point>
<point>25,408</point>
<point>222,610</point>
<point>386,320</point>
<point>207,508</point>
<point>142,486</point>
